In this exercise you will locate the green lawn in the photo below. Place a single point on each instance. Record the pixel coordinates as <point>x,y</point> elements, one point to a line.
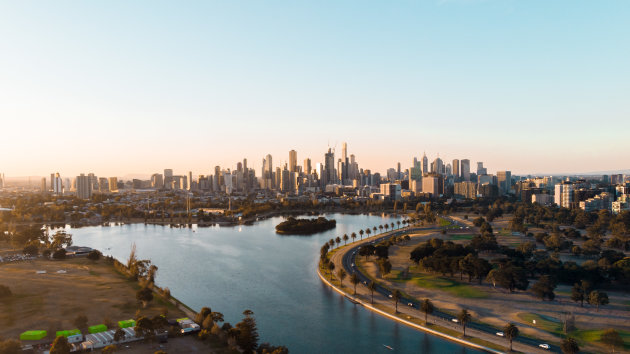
<point>545,323</point>
<point>593,336</point>
<point>450,286</point>
<point>462,237</point>
<point>444,222</point>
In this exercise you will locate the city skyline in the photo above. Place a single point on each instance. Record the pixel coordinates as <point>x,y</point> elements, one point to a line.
<point>210,83</point>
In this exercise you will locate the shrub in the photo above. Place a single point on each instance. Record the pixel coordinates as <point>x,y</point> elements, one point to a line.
<point>59,254</point>
<point>5,291</point>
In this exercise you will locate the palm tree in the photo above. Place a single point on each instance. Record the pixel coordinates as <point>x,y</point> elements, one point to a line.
<point>345,239</point>
<point>372,287</point>
<point>354,279</point>
<point>396,296</point>
<point>392,225</point>
<point>338,240</point>
<point>341,274</point>
<point>427,307</point>
<point>398,222</point>
<point>361,234</point>
<point>368,232</point>
<point>511,332</point>
<point>354,236</point>
<point>380,227</point>
<point>464,317</point>
<point>374,229</point>
<point>331,267</point>
<point>331,243</point>
<point>386,227</point>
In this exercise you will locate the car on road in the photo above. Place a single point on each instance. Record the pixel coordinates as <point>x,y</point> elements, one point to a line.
<point>544,346</point>
<point>500,334</point>
<point>390,295</point>
<point>410,304</point>
<point>455,320</point>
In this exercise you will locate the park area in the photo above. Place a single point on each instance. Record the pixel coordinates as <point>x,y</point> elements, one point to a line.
<point>496,306</point>
<point>50,294</point>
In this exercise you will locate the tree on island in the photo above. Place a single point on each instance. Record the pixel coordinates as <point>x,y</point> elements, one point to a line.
<point>510,331</point>
<point>372,286</point>
<point>427,307</point>
<point>464,317</point>
<point>354,279</point>
<point>396,296</point>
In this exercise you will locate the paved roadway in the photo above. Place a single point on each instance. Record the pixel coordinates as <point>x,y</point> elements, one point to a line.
<point>348,261</point>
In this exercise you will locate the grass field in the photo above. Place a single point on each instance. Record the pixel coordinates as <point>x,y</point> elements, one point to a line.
<point>444,284</point>
<point>594,336</point>
<point>457,237</point>
<point>545,323</point>
<point>52,300</point>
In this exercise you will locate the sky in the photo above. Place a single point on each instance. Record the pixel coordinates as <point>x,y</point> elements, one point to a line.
<point>133,87</point>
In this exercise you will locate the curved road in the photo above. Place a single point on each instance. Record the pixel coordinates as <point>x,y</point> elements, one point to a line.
<point>348,262</point>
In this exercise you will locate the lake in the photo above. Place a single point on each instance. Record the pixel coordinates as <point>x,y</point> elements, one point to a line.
<point>230,269</point>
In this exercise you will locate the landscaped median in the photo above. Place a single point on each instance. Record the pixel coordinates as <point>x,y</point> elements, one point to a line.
<point>409,321</point>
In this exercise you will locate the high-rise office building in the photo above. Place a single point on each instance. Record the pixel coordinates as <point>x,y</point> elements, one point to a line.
<point>103,185</point>
<point>344,152</point>
<point>433,183</point>
<point>465,167</point>
<point>437,166</point>
<point>425,164</point>
<point>504,180</point>
<point>157,181</point>
<point>43,185</point>
<point>329,168</point>
<point>455,167</point>
<point>307,166</point>
<point>57,184</point>
<point>52,182</point>
<point>267,173</point>
<point>293,167</point>
<point>481,170</point>
<point>84,187</point>
<point>113,184</point>
<point>189,181</point>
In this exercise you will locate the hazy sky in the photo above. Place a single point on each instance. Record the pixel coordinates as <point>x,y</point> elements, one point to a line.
<point>117,87</point>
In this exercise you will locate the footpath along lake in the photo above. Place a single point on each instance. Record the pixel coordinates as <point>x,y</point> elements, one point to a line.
<point>231,269</point>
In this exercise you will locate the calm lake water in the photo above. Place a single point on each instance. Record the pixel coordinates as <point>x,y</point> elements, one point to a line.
<point>230,269</point>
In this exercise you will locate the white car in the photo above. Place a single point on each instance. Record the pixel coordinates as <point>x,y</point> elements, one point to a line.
<point>390,295</point>
<point>500,334</point>
<point>410,304</point>
<point>455,320</point>
<point>544,346</point>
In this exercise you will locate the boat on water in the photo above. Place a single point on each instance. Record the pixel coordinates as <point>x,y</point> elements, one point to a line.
<point>388,347</point>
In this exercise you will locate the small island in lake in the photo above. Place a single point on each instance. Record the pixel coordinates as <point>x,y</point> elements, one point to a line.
<point>305,226</point>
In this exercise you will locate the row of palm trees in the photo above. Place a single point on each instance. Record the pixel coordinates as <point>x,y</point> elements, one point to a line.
<point>369,231</point>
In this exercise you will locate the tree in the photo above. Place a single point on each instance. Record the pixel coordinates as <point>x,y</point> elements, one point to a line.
<point>338,240</point>
<point>544,287</point>
<point>361,232</point>
<point>569,346</point>
<point>61,239</point>
<point>247,338</point>
<point>205,311</point>
<point>94,255</point>
<point>331,267</point>
<point>511,332</point>
<point>384,266</point>
<point>60,346</point>
<point>612,338</point>
<point>144,295</point>
<point>59,254</point>
<point>464,317</point>
<point>597,298</point>
<point>341,274</point>
<point>354,279</point>
<point>578,294</point>
<point>427,307</point>
<point>119,335</point>
<point>144,327</point>
<point>372,287</point>
<point>354,236</point>
<point>81,322</point>
<point>396,296</point>
<point>345,239</point>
